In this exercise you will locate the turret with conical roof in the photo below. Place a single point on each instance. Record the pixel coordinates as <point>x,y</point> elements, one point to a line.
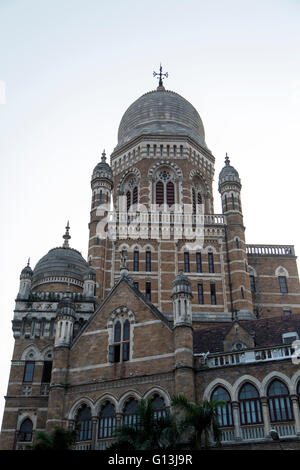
<point>239,281</point>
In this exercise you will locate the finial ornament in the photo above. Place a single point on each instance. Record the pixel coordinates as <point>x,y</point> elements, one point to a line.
<point>66,236</point>
<point>103,158</point>
<point>28,262</point>
<point>160,76</point>
<point>227,161</point>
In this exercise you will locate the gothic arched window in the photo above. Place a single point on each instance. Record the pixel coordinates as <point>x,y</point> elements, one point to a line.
<point>159,407</point>
<point>119,351</point>
<point>84,422</point>
<point>130,413</point>
<point>224,411</point>
<point>250,406</point>
<point>107,421</point>
<point>279,402</point>
<point>25,432</point>
<point>165,187</point>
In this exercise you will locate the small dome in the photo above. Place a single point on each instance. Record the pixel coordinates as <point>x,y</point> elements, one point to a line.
<point>161,112</point>
<point>102,169</point>
<point>228,173</point>
<point>60,262</point>
<point>26,272</point>
<point>181,284</point>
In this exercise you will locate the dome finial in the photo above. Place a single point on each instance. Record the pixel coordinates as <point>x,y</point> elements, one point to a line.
<point>28,262</point>
<point>67,236</point>
<point>103,158</point>
<point>227,161</point>
<point>160,76</point>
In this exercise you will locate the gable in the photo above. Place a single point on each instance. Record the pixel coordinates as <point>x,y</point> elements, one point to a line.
<point>151,338</point>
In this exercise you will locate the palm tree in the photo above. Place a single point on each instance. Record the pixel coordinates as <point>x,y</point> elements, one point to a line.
<point>198,420</point>
<point>149,433</point>
<point>59,439</point>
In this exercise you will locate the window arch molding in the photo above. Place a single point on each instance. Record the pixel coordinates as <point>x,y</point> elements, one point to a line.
<point>75,408</point>
<point>127,396</point>
<point>31,353</point>
<point>252,271</point>
<point>218,383</point>
<point>158,391</point>
<point>122,310</point>
<point>133,172</point>
<point>27,415</point>
<point>48,350</point>
<point>240,382</point>
<point>107,397</point>
<point>279,376</point>
<point>281,271</point>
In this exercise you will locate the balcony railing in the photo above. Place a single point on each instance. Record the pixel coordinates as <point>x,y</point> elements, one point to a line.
<point>248,356</point>
<point>83,445</point>
<point>163,217</point>
<point>270,250</point>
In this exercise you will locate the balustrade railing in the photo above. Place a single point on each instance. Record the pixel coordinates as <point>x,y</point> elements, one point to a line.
<point>252,432</point>
<point>285,429</point>
<point>255,355</point>
<point>270,250</point>
<point>84,445</point>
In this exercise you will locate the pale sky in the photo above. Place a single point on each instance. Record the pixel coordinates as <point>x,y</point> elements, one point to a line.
<point>70,68</point>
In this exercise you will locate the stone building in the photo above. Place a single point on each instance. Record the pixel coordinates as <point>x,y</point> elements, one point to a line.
<point>154,312</point>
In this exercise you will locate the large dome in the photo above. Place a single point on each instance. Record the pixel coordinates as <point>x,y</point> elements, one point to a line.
<point>62,262</point>
<point>161,112</point>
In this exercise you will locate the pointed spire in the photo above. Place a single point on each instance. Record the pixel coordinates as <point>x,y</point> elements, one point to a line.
<point>103,158</point>
<point>227,161</point>
<point>67,236</point>
<point>28,262</point>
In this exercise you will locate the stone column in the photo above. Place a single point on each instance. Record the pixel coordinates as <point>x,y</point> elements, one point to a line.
<point>295,403</point>
<point>236,420</point>
<point>266,415</point>
<point>94,431</point>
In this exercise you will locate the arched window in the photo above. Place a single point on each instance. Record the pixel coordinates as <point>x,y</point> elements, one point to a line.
<point>128,200</point>
<point>84,422</point>
<point>107,421</point>
<point>159,193</point>
<point>250,406</point>
<point>119,351</point>
<point>135,195</point>
<point>159,407</point>
<point>165,187</point>
<point>283,284</point>
<point>170,194</point>
<point>196,199</point>
<point>279,402</point>
<point>225,411</point>
<point>25,433</point>
<point>130,413</point>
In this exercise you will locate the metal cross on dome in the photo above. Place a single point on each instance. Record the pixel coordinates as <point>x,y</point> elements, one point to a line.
<point>160,75</point>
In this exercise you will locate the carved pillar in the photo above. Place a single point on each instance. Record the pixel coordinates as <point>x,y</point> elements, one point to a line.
<point>236,420</point>
<point>265,415</point>
<point>94,431</point>
<point>295,402</point>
